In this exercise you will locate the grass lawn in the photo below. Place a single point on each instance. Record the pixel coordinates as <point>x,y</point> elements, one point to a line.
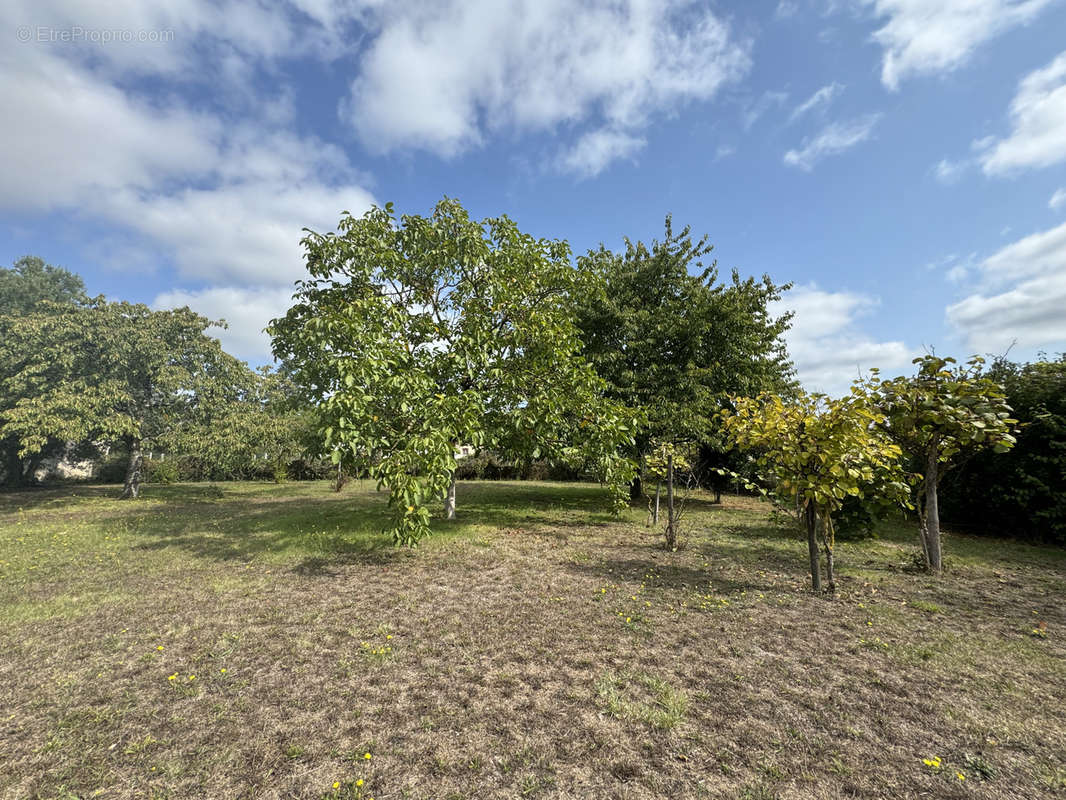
<point>262,641</point>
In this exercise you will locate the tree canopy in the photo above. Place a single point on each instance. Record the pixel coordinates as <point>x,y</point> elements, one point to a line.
<point>30,286</point>
<point>419,333</point>
<point>111,372</point>
<point>812,452</point>
<point>941,413</point>
<point>673,341</point>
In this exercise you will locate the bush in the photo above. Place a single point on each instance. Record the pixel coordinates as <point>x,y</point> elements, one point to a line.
<point>1020,493</point>
<point>160,472</point>
<point>112,468</point>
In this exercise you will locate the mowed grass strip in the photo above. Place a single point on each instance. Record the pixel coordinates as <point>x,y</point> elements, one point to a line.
<point>262,641</point>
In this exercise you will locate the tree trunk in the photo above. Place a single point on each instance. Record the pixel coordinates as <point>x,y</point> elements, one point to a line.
<point>636,489</point>
<point>812,546</point>
<point>449,499</point>
<point>655,513</point>
<point>717,495</point>
<point>932,514</point>
<point>671,522</point>
<point>133,472</point>
<point>828,540</point>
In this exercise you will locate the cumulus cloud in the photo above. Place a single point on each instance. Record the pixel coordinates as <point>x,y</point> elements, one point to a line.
<point>835,138</point>
<point>1058,200</point>
<point>1020,296</point>
<point>826,344</point>
<point>817,101</point>
<point>220,199</point>
<point>1038,124</point>
<point>440,77</point>
<point>933,36</point>
<point>246,310</point>
<point>594,151</point>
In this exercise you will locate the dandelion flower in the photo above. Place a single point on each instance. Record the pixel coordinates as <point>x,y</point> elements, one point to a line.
<point>367,756</point>
<point>173,677</point>
<point>336,784</point>
<point>223,671</point>
<point>192,677</point>
<point>159,647</point>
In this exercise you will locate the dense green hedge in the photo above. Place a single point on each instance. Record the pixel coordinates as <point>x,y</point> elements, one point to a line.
<point>1021,493</point>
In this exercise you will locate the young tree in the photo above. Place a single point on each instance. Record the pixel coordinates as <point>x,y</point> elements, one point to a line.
<point>941,414</point>
<point>673,341</point>
<point>812,452</point>
<point>421,333</point>
<point>113,372</point>
<point>30,286</point>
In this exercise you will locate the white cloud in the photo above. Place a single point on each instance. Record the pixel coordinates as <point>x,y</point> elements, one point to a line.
<point>246,310</point>
<point>221,199</point>
<point>948,172</point>
<point>817,101</point>
<point>1021,296</point>
<point>786,9</point>
<point>724,151</point>
<point>248,231</point>
<point>441,76</point>
<point>828,348</point>
<point>1058,200</point>
<point>753,109</point>
<point>835,138</point>
<point>932,36</point>
<point>1038,124</point>
<point>594,151</point>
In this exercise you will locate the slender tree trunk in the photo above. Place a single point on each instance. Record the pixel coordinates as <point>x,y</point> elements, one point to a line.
<point>655,513</point>
<point>828,539</point>
<point>717,495</point>
<point>449,499</point>
<point>671,522</point>
<point>932,514</point>
<point>133,472</point>
<point>812,547</point>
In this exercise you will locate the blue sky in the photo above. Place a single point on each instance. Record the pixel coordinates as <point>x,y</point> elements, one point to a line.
<point>902,162</point>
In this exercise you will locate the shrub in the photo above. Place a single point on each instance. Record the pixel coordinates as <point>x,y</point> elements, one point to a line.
<point>160,472</point>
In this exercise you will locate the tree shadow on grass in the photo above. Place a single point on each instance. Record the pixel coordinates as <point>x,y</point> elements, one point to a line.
<point>325,529</point>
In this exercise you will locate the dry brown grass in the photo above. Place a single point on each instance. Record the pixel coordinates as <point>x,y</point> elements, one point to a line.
<point>538,649</point>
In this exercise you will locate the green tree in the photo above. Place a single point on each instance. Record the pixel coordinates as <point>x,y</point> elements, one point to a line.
<point>259,428</point>
<point>1023,492</point>
<point>673,341</point>
<point>942,414</point>
<point>420,333</point>
<point>811,453</point>
<point>31,281</point>
<point>117,373</point>
<point>29,286</point>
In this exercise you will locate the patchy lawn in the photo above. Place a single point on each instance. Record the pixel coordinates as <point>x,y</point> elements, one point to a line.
<point>260,641</point>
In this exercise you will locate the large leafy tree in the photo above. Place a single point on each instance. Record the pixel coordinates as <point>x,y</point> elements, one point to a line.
<point>941,415</point>
<point>674,341</point>
<point>116,373</point>
<point>420,333</point>
<point>812,452</point>
<point>30,286</point>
